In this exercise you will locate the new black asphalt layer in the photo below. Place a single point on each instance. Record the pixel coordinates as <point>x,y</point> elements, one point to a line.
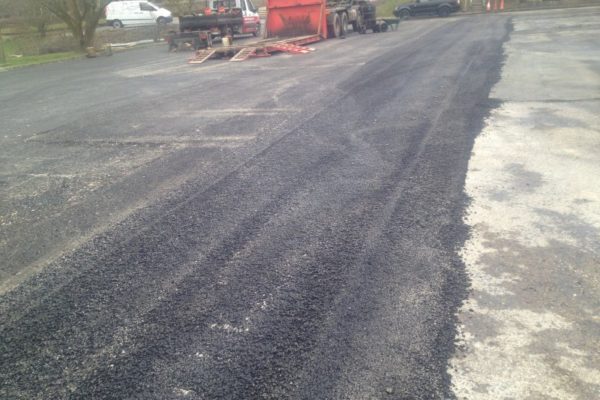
<point>315,259</point>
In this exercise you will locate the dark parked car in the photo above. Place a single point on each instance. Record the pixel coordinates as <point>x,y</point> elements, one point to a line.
<point>427,7</point>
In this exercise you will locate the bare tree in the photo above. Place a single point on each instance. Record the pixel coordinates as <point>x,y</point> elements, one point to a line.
<point>80,16</point>
<point>36,15</point>
<point>27,12</point>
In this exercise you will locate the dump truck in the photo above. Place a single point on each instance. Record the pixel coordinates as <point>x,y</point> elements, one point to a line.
<point>293,24</point>
<point>327,18</point>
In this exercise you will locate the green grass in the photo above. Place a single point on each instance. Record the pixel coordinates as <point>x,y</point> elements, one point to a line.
<point>11,49</point>
<point>9,46</point>
<point>12,62</point>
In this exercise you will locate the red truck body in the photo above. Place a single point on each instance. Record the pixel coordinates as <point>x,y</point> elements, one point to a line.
<point>288,18</point>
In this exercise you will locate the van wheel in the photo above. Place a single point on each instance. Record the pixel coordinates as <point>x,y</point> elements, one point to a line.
<point>117,24</point>
<point>161,21</point>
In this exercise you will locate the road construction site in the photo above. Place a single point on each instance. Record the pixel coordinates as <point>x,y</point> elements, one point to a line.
<point>308,226</point>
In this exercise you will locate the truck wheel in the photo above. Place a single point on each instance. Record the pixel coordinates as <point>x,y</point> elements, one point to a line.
<point>161,21</point>
<point>336,31</point>
<point>344,25</point>
<point>404,14</point>
<point>358,25</point>
<point>117,24</point>
<point>443,12</point>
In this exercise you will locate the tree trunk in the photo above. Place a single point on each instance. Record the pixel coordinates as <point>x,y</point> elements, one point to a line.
<point>90,32</point>
<point>81,17</point>
<point>42,26</point>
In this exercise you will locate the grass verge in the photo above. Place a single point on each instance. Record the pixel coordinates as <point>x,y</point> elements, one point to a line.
<point>15,58</point>
<point>13,62</point>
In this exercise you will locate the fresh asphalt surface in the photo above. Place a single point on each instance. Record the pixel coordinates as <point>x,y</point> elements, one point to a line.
<point>278,228</point>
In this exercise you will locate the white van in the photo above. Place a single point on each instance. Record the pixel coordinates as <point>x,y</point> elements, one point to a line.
<point>130,13</point>
<point>249,11</point>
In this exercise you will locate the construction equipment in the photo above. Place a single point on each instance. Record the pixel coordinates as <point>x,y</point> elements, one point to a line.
<point>292,24</point>
<point>198,30</point>
<point>327,18</point>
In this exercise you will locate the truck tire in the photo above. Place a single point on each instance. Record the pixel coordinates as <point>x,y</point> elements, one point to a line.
<point>358,25</point>
<point>336,26</point>
<point>117,24</point>
<point>161,21</point>
<point>344,25</point>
